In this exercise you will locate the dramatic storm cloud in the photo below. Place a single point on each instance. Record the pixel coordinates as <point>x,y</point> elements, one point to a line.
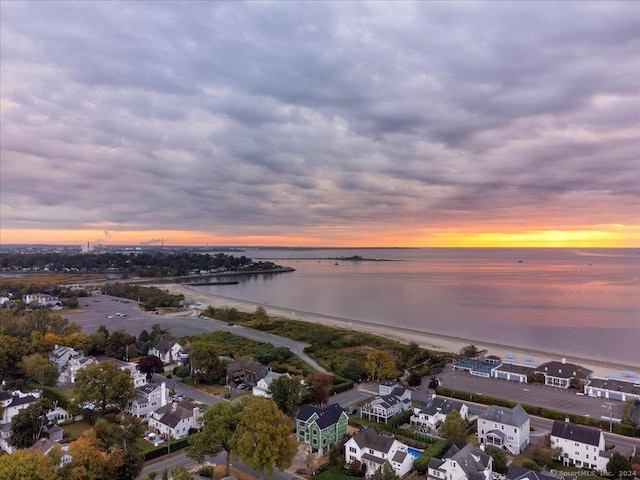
<point>330,123</point>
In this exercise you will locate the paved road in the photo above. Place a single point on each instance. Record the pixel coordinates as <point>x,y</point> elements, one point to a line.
<point>98,309</point>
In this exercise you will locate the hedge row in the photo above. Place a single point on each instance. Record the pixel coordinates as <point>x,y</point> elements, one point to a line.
<point>164,450</point>
<point>621,428</point>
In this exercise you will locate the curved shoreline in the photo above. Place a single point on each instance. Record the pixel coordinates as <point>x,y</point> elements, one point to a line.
<point>430,341</point>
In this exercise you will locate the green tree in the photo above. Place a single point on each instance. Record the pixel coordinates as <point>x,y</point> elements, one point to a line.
<point>27,465</point>
<point>385,472</point>
<point>454,427</point>
<point>218,433</point>
<point>287,393</point>
<point>380,365</point>
<point>205,362</point>
<point>104,384</point>
<point>28,425</point>
<point>471,351</point>
<point>181,473</point>
<point>37,367</point>
<point>499,458</point>
<point>319,387</point>
<point>617,465</point>
<point>353,370</point>
<point>264,439</point>
<point>120,437</point>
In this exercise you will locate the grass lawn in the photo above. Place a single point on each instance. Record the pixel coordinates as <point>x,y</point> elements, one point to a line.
<point>206,387</point>
<point>334,473</point>
<point>74,430</point>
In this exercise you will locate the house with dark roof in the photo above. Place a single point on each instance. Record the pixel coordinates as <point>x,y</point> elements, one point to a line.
<point>562,374</point>
<point>391,400</point>
<point>246,371</point>
<point>175,419</point>
<point>612,389</point>
<point>516,472</point>
<point>166,350</point>
<point>319,427</point>
<point>372,450</point>
<point>427,417</point>
<point>507,428</point>
<point>461,463</point>
<point>580,445</point>
<point>12,402</point>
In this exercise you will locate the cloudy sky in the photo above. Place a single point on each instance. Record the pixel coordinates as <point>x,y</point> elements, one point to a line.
<point>321,124</point>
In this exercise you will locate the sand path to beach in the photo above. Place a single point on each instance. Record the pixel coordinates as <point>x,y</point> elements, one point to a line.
<point>438,343</point>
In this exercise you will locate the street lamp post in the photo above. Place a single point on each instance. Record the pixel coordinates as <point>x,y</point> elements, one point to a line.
<point>610,420</point>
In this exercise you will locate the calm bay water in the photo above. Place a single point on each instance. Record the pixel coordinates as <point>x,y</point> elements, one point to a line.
<point>583,303</point>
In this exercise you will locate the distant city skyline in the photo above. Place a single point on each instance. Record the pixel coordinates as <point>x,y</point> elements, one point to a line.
<point>321,124</point>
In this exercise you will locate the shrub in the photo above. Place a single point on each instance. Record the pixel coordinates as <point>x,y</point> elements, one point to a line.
<point>531,465</point>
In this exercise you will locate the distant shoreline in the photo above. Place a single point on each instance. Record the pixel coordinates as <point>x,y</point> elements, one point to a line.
<point>435,342</point>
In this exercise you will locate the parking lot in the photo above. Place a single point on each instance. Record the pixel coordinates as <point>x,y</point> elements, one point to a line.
<point>559,399</point>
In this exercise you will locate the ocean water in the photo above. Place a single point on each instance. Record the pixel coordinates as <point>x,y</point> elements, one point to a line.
<point>574,302</point>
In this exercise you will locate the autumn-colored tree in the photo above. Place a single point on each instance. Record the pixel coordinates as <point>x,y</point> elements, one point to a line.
<point>381,365</point>
<point>218,433</point>
<point>79,341</point>
<point>89,462</point>
<point>181,473</point>
<point>319,388</point>
<point>264,439</point>
<point>120,437</point>
<point>104,384</point>
<point>25,464</point>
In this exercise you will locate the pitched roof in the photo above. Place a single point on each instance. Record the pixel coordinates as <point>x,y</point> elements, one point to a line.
<point>576,433</point>
<point>515,417</point>
<point>564,370</point>
<point>371,439</point>
<point>17,400</point>
<point>327,415</point>
<point>172,413</point>
<point>520,473</point>
<point>440,405</point>
<point>472,460</point>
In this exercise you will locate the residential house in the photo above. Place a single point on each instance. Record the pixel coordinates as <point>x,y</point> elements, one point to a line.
<point>183,354</point>
<point>59,415</point>
<point>261,389</point>
<point>580,445</point>
<point>138,377</point>
<point>319,427</point>
<point>62,354</point>
<point>563,374</point>
<point>43,300</point>
<point>151,396</point>
<point>166,350</point>
<point>245,371</point>
<point>428,417</point>
<point>461,463</point>
<point>520,473</point>
<point>69,372</point>
<point>12,402</point>
<point>507,428</point>
<point>391,400</point>
<point>175,419</point>
<point>373,450</point>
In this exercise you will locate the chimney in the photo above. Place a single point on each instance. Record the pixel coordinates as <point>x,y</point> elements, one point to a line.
<point>566,419</point>
<point>564,360</point>
<point>163,394</point>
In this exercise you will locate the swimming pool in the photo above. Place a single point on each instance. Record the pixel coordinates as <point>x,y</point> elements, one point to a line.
<point>413,452</point>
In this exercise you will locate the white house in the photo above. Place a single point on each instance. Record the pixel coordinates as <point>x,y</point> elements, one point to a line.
<point>391,399</point>
<point>61,356</point>
<point>138,377</point>
<point>43,300</point>
<point>150,397</point>
<point>581,446</point>
<point>562,374</point>
<point>13,402</point>
<point>69,372</point>
<point>466,463</point>
<point>175,419</point>
<point>507,428</point>
<point>166,350</point>
<point>261,389</point>
<point>429,416</point>
<point>372,449</point>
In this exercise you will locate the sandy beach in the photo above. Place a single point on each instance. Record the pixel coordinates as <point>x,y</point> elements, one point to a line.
<point>438,343</point>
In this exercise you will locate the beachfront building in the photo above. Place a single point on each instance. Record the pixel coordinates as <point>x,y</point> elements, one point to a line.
<point>563,375</point>
<point>391,400</point>
<point>372,450</point>
<point>319,427</point>
<point>428,417</point>
<point>507,428</point>
<point>579,445</point>
<point>261,389</point>
<point>512,372</point>
<point>461,463</point>
<point>612,389</point>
